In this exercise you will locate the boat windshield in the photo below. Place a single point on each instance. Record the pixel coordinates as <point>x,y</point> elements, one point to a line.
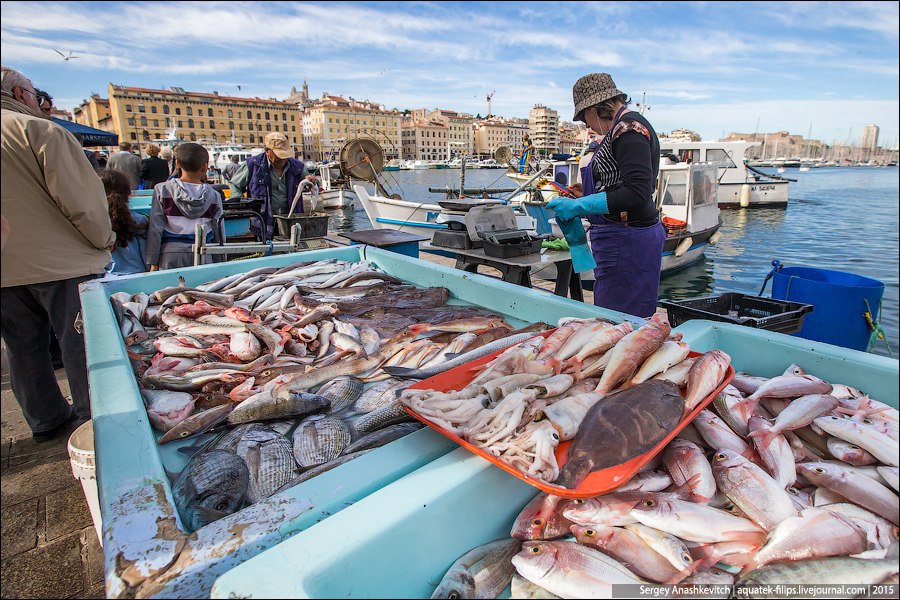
<point>720,157</point>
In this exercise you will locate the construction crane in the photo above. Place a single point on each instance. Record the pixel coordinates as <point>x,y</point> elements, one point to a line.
<point>489,96</point>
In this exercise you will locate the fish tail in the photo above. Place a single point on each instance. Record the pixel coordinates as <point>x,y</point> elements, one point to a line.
<point>767,436</point>
<point>419,327</point>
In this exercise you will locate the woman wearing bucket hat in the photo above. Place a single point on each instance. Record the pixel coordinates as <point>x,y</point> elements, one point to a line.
<point>618,185</point>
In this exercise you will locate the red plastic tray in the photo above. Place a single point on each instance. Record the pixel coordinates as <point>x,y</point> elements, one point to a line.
<point>595,484</point>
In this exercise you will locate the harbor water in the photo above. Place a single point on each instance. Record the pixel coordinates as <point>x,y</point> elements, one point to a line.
<point>841,218</point>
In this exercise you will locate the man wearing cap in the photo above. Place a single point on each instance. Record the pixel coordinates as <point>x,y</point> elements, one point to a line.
<point>618,186</point>
<point>272,176</point>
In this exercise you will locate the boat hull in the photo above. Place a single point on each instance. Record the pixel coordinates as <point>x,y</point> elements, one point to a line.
<point>763,194</point>
<point>339,198</point>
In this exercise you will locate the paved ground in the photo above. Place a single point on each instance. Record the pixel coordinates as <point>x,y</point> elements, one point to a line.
<point>48,546</point>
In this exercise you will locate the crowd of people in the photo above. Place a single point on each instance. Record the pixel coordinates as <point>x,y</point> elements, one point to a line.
<point>54,187</point>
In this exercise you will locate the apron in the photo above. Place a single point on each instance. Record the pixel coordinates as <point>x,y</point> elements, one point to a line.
<point>628,258</point>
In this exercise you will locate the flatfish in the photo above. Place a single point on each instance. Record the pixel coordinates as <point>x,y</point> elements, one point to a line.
<point>342,392</point>
<point>621,426</point>
<point>211,486</point>
<point>269,460</point>
<point>318,440</point>
<point>380,394</point>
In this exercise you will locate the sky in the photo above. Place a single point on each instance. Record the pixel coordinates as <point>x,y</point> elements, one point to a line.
<point>712,67</point>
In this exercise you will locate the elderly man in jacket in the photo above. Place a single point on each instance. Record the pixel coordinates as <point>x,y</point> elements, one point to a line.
<point>59,236</point>
<point>272,176</point>
<point>127,162</point>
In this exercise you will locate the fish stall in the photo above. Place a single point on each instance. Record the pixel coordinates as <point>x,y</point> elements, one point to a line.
<point>237,404</point>
<point>789,476</point>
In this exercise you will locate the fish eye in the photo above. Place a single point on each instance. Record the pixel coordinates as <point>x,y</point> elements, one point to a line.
<point>649,503</point>
<point>686,557</point>
<point>535,550</point>
<point>819,470</point>
<point>454,595</point>
<point>184,434</point>
<point>867,421</point>
<point>537,522</point>
<point>578,501</point>
<point>793,491</point>
<point>852,447</point>
<point>556,436</point>
<point>223,505</point>
<point>720,456</point>
<point>590,533</point>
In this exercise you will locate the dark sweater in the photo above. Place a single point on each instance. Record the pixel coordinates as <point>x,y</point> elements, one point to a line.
<point>153,170</point>
<point>638,160</point>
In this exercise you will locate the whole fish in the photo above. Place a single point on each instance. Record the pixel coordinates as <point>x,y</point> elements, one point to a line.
<point>732,408</point>
<point>274,341</point>
<point>677,374</point>
<point>879,530</point>
<point>746,383</point>
<point>318,440</point>
<point>632,350</point>
<point>777,457</point>
<point>167,409</point>
<point>267,406</point>
<point>814,533</point>
<point>379,395</point>
<point>620,427</point>
<point>668,546</point>
<point>197,309</point>
<point>695,522</point>
<point>390,414</point>
<point>269,460</point>
<point>197,423</point>
<point>599,342</point>
<point>182,346</point>
<point>542,518</point>
<point>211,486</point>
<point>849,453</point>
<point>854,487</point>
<point>522,588</point>
<point>704,377</point>
<point>759,497</point>
<point>185,326</point>
<point>343,393</point>
<point>584,332</point>
<point>482,572</point>
<point>821,571</point>
<point>790,386</point>
<point>628,548</point>
<point>462,359</point>
<point>799,413</point>
<point>555,340</point>
<point>874,442</point>
<point>379,438</point>
<point>608,509</point>
<point>245,346</point>
<point>666,356</point>
<point>647,481</point>
<point>718,435</point>
<point>688,467</point>
<point>475,324</point>
<point>571,570</point>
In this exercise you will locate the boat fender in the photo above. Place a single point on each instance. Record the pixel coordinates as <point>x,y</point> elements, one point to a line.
<point>745,195</point>
<point>714,238</point>
<point>684,246</point>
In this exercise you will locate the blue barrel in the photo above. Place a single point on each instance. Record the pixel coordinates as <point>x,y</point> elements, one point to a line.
<point>839,303</point>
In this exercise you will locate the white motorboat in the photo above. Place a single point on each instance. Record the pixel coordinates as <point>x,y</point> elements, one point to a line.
<point>336,191</point>
<point>220,155</point>
<point>739,185</point>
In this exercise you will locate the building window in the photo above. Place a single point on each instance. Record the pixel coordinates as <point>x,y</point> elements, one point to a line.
<point>230,124</point>
<point>293,128</point>
<point>240,126</point>
<point>127,108</point>
<point>284,116</point>
<point>200,124</point>
<point>249,115</point>
<point>165,109</point>
<point>258,118</point>
<point>252,138</point>
<point>133,136</point>
<point>189,111</point>
<point>193,137</point>
<point>146,135</point>
<point>190,123</point>
<point>143,121</point>
<point>230,115</point>
<point>212,124</point>
<point>156,122</point>
<point>284,127</point>
<point>177,110</point>
<point>209,112</point>
<point>141,107</point>
<point>268,127</point>
<point>131,121</point>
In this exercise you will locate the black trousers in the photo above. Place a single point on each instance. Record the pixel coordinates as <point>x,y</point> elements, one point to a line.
<point>29,313</point>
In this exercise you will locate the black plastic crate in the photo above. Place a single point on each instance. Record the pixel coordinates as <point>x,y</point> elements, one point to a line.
<point>752,311</point>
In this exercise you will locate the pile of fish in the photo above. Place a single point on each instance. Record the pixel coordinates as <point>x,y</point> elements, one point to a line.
<point>287,365</point>
<point>788,480</point>
<point>611,389</point>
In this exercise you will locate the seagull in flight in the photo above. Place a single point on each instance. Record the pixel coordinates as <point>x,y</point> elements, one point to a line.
<point>239,88</point>
<point>383,71</point>
<point>66,57</point>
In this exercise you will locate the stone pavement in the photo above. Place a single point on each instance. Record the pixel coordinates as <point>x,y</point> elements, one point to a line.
<point>48,546</point>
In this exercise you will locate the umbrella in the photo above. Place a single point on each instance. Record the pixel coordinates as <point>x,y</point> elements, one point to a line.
<point>89,135</point>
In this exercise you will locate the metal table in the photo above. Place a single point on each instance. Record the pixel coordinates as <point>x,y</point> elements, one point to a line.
<point>389,239</point>
<point>517,269</point>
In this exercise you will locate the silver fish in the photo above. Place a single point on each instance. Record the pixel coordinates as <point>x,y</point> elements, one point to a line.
<point>318,440</point>
<point>482,572</point>
<point>822,571</point>
<point>342,392</point>
<point>799,413</point>
<point>265,406</point>
<point>762,499</point>
<point>628,548</point>
<point>876,443</point>
<point>777,457</point>
<point>849,453</point>
<point>854,487</point>
<point>211,486</point>
<point>689,468</point>
<point>890,475</point>
<point>379,395</point>
<point>390,414</point>
<point>269,460</point>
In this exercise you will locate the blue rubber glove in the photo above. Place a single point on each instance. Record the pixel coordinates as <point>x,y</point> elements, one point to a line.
<point>569,208</point>
<point>582,258</point>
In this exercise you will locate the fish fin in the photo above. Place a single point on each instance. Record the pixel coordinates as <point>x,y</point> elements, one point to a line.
<point>767,434</point>
<point>402,372</point>
<point>419,327</point>
<point>684,491</point>
<point>209,514</point>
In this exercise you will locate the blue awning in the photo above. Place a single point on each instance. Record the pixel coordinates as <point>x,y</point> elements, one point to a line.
<point>90,136</point>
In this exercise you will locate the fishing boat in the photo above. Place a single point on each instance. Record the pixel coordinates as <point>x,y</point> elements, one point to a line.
<point>337,190</point>
<point>220,155</point>
<point>739,184</point>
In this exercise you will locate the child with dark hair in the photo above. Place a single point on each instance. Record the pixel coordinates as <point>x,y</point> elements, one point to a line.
<point>130,227</point>
<point>178,206</point>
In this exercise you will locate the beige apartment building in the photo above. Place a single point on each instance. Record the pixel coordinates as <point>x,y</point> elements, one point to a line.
<point>333,120</point>
<point>493,133</point>
<point>425,140</point>
<point>140,115</point>
<point>459,129</point>
<point>544,128</point>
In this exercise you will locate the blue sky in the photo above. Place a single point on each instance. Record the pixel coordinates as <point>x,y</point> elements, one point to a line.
<point>713,67</point>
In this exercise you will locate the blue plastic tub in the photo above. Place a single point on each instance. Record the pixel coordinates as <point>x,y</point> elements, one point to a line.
<point>399,541</point>
<point>146,550</point>
<point>840,301</point>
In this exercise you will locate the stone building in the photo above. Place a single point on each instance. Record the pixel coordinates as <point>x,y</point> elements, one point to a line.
<point>544,129</point>
<point>331,121</point>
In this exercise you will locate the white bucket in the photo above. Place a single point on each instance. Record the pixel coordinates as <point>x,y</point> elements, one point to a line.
<point>81,456</point>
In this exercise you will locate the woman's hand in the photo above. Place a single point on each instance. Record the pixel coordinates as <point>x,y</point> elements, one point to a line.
<point>575,190</point>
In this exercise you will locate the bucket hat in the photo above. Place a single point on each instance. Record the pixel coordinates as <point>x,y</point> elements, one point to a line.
<point>591,90</point>
<point>278,143</point>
